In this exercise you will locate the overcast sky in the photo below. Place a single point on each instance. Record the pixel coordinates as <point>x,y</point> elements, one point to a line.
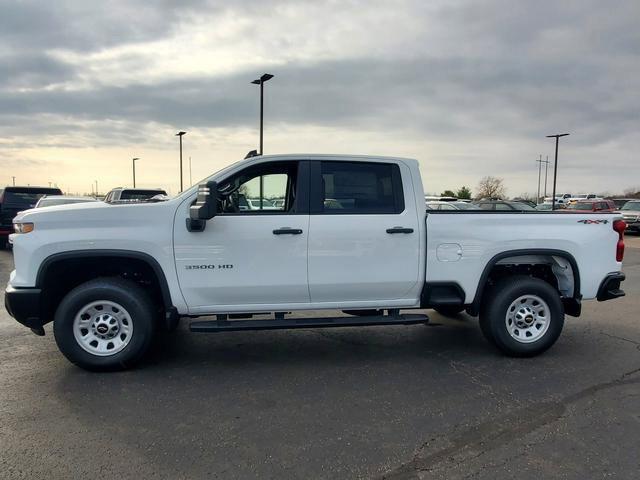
<point>469,88</point>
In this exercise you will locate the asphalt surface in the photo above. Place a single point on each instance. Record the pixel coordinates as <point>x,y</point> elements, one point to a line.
<point>381,402</point>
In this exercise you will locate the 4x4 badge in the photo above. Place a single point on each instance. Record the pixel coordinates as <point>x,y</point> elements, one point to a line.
<point>592,222</point>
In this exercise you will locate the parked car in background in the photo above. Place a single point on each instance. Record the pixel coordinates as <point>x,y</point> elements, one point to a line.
<point>584,196</point>
<point>451,206</point>
<point>51,200</point>
<point>560,198</point>
<point>503,205</point>
<point>631,214</point>
<point>16,199</point>
<point>134,195</point>
<point>603,206</point>
<point>620,202</point>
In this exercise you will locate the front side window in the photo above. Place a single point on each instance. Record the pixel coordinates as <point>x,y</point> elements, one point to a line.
<point>360,188</point>
<point>264,188</point>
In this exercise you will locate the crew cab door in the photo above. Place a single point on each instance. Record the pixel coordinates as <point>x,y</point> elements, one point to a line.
<point>364,233</point>
<point>253,253</point>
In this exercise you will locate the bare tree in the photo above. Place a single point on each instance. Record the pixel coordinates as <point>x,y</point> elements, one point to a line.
<point>632,192</point>
<point>491,187</point>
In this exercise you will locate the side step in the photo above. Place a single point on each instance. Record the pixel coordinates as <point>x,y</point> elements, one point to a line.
<point>212,326</point>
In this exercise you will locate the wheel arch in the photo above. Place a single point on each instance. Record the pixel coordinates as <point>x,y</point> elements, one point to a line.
<point>571,303</point>
<point>108,260</point>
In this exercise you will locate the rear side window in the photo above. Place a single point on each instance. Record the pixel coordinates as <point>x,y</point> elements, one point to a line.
<point>358,188</point>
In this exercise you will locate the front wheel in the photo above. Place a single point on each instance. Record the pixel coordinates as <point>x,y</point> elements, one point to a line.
<point>105,324</point>
<point>522,316</point>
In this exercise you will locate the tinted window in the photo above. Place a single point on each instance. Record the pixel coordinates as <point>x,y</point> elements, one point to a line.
<point>486,206</point>
<point>360,187</point>
<point>27,196</point>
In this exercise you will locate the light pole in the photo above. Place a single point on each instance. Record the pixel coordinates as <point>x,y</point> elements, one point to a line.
<point>539,171</point>
<point>96,188</point>
<point>14,181</point>
<point>261,81</point>
<point>179,135</point>
<point>555,167</point>
<point>546,170</point>
<point>133,160</point>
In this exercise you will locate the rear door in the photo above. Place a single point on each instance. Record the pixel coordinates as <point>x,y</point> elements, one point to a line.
<point>364,232</point>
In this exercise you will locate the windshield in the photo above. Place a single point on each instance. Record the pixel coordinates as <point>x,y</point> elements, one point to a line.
<point>631,206</point>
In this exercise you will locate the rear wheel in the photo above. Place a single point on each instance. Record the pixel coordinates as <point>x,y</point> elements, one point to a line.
<point>105,324</point>
<point>522,316</point>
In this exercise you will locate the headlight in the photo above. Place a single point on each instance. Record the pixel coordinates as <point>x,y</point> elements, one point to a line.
<point>21,227</point>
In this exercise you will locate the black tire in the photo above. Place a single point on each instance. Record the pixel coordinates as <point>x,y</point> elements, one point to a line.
<point>449,310</point>
<point>364,313</point>
<point>136,302</point>
<point>498,300</point>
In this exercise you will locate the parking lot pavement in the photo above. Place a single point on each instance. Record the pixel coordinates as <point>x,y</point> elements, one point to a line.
<point>394,402</point>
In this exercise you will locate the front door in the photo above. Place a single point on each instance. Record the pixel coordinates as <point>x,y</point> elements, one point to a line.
<point>364,235</point>
<point>253,254</point>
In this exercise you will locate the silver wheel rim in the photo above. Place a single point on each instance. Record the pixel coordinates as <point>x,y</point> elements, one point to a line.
<point>528,318</point>
<point>103,328</point>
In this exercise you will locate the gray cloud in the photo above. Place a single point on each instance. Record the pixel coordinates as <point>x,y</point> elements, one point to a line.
<point>496,70</point>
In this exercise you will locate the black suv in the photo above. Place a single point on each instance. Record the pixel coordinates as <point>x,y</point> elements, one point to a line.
<point>16,199</point>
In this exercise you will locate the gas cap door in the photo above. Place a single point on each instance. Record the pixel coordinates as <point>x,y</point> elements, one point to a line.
<point>449,252</point>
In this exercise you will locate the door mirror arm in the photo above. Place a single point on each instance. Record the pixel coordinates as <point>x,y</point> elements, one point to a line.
<point>204,208</point>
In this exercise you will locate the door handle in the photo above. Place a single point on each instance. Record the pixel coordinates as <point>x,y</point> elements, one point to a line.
<point>399,230</point>
<point>287,231</point>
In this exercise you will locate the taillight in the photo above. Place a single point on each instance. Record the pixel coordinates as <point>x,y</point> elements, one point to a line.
<point>619,226</point>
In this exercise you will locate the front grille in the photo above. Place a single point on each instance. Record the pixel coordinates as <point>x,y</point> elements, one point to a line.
<point>630,218</point>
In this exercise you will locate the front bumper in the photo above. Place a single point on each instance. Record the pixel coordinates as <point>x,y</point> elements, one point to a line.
<point>25,305</point>
<point>610,287</point>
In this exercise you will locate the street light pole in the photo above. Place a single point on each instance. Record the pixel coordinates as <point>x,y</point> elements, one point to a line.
<point>133,160</point>
<point>555,167</point>
<point>179,135</point>
<point>539,171</point>
<point>546,170</point>
<point>14,181</point>
<point>261,81</point>
<point>96,187</point>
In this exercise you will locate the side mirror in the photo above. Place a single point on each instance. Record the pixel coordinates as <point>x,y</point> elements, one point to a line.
<point>204,208</point>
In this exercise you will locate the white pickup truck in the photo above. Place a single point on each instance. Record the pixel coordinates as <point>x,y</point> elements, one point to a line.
<point>352,234</point>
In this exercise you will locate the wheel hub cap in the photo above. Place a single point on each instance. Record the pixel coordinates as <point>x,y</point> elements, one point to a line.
<point>103,328</point>
<point>527,318</point>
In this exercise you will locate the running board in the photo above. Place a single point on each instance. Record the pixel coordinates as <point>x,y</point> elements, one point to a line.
<point>213,326</point>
